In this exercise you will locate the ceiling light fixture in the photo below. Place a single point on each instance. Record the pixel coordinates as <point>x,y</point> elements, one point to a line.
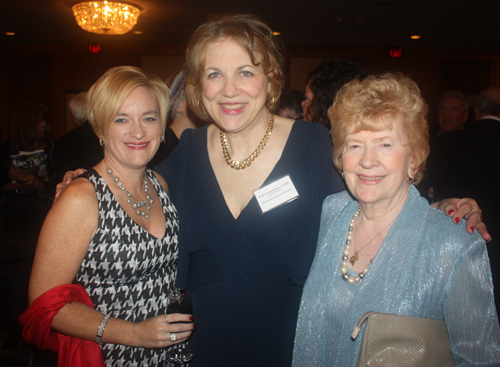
<point>415,37</point>
<point>106,17</point>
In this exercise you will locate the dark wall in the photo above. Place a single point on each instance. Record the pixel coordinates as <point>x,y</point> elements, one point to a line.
<point>46,74</point>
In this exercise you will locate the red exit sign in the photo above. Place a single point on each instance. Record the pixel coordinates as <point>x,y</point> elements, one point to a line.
<point>395,52</point>
<point>95,48</point>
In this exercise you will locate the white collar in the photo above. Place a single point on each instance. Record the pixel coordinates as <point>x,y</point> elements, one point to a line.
<point>489,117</point>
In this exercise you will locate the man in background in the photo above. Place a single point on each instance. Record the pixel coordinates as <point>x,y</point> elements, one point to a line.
<point>80,147</point>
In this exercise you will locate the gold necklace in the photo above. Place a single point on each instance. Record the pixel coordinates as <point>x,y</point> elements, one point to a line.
<point>355,257</point>
<point>247,162</point>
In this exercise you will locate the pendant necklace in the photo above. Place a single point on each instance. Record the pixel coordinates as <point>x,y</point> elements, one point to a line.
<point>354,258</point>
<point>136,205</point>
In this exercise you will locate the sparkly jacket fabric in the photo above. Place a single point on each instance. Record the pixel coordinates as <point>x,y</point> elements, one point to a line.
<point>426,267</point>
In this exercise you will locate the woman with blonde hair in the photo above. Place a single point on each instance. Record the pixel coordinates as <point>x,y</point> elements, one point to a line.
<point>382,248</point>
<point>249,189</point>
<point>107,253</point>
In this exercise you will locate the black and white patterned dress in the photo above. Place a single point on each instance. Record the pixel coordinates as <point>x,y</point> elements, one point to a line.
<point>127,272</point>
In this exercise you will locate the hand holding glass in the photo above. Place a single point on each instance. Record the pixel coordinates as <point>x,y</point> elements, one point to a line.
<point>179,301</point>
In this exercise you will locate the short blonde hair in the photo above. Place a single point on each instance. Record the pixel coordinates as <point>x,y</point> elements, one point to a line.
<point>107,95</point>
<point>378,103</point>
<point>251,33</point>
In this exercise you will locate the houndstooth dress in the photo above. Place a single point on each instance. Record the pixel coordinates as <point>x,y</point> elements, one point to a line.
<point>127,272</point>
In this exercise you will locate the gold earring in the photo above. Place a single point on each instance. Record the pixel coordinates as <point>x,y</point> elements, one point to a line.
<point>343,174</point>
<point>273,101</point>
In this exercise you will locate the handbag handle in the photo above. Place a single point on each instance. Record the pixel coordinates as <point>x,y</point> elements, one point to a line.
<point>357,327</point>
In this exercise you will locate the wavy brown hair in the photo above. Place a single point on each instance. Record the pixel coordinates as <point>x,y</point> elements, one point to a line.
<point>251,33</point>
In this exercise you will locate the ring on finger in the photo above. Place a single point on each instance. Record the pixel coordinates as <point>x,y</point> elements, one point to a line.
<point>173,337</point>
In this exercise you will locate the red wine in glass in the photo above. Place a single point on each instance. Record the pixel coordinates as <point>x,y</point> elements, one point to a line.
<point>179,301</point>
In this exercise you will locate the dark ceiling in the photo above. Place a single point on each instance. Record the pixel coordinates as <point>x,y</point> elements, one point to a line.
<point>443,24</point>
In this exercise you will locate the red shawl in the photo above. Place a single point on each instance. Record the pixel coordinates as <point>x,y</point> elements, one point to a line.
<point>37,322</point>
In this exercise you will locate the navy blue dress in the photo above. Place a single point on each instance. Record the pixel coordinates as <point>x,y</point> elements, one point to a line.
<point>246,274</point>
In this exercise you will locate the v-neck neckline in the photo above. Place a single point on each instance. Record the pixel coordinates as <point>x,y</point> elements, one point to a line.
<point>128,216</point>
<point>283,156</point>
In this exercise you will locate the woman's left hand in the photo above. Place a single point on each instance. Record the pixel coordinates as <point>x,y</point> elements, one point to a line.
<point>465,208</point>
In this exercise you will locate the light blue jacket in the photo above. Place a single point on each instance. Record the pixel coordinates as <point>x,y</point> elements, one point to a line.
<point>426,267</point>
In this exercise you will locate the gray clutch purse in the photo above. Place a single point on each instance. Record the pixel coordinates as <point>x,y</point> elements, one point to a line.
<point>393,340</point>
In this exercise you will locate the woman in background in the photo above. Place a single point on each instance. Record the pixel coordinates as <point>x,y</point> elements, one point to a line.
<point>322,85</point>
<point>179,118</point>
<point>290,104</point>
<point>24,204</point>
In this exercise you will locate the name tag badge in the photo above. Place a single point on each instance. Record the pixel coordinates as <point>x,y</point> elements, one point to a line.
<point>276,193</point>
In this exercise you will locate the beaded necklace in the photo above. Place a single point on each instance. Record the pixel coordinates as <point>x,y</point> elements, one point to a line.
<point>345,256</point>
<point>136,204</point>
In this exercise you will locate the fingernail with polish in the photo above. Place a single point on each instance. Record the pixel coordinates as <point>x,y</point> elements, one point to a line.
<point>456,220</point>
<point>191,318</point>
<point>451,211</point>
<point>66,182</point>
<point>471,228</point>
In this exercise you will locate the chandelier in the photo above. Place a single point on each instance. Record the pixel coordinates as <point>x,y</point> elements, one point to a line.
<point>106,17</point>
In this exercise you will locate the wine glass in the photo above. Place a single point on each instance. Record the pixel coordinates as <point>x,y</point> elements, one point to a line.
<point>179,301</point>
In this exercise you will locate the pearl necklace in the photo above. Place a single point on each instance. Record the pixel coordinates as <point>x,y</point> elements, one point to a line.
<point>130,199</point>
<point>247,162</point>
<point>345,256</point>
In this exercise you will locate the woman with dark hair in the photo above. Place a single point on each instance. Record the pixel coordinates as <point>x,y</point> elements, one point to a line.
<point>323,83</point>
<point>30,127</point>
<point>290,104</point>
<point>24,204</point>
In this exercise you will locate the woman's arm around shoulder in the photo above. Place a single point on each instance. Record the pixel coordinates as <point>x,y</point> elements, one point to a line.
<point>464,208</point>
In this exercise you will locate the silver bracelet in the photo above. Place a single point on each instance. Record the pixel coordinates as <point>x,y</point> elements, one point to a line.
<point>100,330</point>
